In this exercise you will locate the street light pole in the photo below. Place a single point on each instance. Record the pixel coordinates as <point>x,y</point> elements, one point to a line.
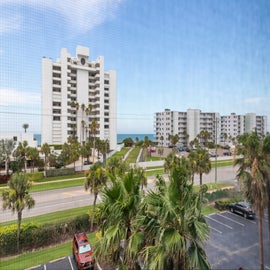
<point>216,122</point>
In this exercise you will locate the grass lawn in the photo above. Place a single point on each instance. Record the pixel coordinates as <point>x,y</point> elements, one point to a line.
<point>30,259</point>
<point>132,157</point>
<point>120,153</point>
<point>52,217</point>
<point>56,185</point>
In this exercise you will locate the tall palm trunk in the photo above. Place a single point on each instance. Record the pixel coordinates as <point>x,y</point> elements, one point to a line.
<point>200,179</point>
<point>269,222</point>
<point>260,211</point>
<point>19,230</point>
<point>94,211</point>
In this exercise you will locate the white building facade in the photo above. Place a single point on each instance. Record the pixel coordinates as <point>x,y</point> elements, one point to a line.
<point>222,129</point>
<point>186,124</point>
<point>75,93</point>
<point>234,125</point>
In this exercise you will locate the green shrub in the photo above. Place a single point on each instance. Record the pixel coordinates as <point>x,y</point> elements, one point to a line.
<point>35,176</point>
<point>8,239</point>
<point>222,193</point>
<point>35,236</point>
<point>224,205</point>
<point>59,172</point>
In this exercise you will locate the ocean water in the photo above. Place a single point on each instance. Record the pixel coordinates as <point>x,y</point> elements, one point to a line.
<point>120,137</point>
<point>37,137</point>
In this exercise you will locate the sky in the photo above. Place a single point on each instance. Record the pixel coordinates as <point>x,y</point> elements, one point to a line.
<point>212,55</point>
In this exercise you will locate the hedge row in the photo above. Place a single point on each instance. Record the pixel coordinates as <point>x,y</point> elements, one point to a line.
<point>222,193</point>
<point>35,176</point>
<point>224,205</point>
<point>59,172</point>
<point>35,236</point>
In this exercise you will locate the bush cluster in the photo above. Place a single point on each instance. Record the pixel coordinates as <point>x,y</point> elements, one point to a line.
<point>222,193</point>
<point>35,176</point>
<point>224,205</point>
<point>60,172</point>
<point>35,236</point>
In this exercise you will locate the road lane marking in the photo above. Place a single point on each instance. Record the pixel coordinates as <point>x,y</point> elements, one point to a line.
<point>215,229</point>
<point>70,263</point>
<point>231,220</point>
<point>220,222</point>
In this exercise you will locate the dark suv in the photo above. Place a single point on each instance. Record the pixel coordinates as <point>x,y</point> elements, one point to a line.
<point>82,252</point>
<point>242,208</point>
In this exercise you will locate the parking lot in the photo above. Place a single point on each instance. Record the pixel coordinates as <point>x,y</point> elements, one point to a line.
<point>233,242</point>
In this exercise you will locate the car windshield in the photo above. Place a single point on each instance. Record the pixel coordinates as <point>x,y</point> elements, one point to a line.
<point>85,248</point>
<point>245,205</point>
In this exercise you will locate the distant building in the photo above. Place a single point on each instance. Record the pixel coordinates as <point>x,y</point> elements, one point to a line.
<point>20,137</point>
<point>186,124</point>
<point>234,125</point>
<point>189,124</point>
<point>75,93</point>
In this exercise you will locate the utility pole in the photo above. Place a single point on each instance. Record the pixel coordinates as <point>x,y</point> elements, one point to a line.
<point>216,123</point>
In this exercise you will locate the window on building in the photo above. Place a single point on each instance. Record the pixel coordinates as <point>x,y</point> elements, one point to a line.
<point>56,118</point>
<point>56,104</point>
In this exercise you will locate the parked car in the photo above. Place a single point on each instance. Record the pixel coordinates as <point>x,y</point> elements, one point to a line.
<point>82,252</point>
<point>242,208</point>
<point>227,153</point>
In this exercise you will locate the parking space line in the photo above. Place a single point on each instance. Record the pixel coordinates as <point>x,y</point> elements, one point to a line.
<point>215,229</point>
<point>267,267</point>
<point>254,222</point>
<point>70,263</point>
<point>232,220</point>
<point>220,223</point>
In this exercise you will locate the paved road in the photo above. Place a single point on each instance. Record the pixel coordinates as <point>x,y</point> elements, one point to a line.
<point>62,199</point>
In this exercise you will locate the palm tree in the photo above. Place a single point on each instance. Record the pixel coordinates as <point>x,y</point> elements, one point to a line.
<point>174,140</point>
<point>33,155</point>
<point>162,140</point>
<point>17,198</point>
<point>25,127</point>
<point>88,111</point>
<point>21,153</point>
<point>76,106</point>
<point>6,149</point>
<point>201,162</point>
<point>169,228</point>
<point>93,128</point>
<point>104,148</point>
<point>95,180</point>
<point>120,204</point>
<point>266,151</point>
<point>82,121</point>
<point>186,136</point>
<point>46,150</point>
<point>116,166</point>
<point>252,173</point>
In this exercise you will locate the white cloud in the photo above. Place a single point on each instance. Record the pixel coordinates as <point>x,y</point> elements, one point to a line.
<point>83,15</point>
<point>10,23</point>
<point>254,100</point>
<point>12,97</point>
